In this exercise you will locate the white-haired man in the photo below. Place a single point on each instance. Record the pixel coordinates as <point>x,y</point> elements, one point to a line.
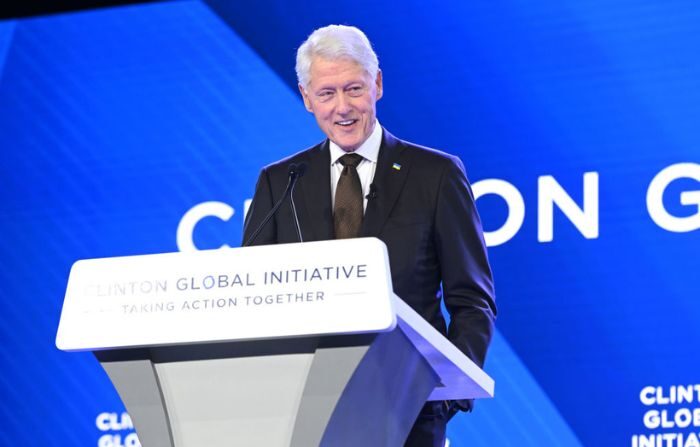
<point>362,181</point>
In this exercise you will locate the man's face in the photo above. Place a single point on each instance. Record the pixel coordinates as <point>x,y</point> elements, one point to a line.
<point>343,98</point>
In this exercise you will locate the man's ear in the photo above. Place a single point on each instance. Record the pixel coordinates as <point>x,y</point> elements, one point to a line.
<point>379,84</point>
<point>305,97</point>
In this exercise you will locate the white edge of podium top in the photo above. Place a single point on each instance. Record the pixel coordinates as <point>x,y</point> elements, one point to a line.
<point>461,378</point>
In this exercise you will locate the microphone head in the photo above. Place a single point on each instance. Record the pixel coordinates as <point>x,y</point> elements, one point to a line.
<point>297,169</point>
<point>372,191</point>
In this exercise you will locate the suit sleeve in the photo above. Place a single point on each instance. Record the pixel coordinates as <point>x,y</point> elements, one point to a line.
<point>259,208</point>
<point>467,281</point>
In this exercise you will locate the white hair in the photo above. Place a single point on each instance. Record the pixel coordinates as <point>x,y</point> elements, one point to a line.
<point>335,42</point>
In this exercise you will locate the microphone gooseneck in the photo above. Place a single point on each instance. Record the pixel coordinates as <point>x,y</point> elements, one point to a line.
<point>295,171</point>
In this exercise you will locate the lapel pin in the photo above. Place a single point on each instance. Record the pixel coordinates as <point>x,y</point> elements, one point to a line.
<point>396,166</point>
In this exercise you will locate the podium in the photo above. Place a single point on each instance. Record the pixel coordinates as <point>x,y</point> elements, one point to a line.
<point>285,345</point>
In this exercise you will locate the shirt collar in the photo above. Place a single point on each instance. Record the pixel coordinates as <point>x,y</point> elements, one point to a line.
<point>369,149</point>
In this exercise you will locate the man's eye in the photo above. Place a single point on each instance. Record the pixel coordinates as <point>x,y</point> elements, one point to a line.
<point>355,91</point>
<point>325,96</point>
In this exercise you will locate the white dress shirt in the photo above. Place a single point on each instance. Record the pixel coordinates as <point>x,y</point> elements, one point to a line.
<point>369,151</point>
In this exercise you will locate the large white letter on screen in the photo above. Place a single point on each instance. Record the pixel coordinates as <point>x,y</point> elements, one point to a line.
<point>655,194</point>
<point>185,229</point>
<point>516,209</point>
<point>585,219</point>
<point>246,207</point>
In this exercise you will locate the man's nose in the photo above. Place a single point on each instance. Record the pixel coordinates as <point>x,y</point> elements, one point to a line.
<point>343,105</point>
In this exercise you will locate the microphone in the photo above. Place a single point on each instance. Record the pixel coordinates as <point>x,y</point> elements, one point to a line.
<point>372,192</point>
<point>295,171</point>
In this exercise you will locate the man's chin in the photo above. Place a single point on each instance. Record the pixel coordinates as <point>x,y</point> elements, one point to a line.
<point>347,145</point>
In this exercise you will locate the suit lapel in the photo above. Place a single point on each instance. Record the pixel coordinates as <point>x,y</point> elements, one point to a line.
<point>393,165</point>
<point>316,194</point>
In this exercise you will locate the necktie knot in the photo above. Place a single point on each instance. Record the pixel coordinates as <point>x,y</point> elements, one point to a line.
<point>350,160</point>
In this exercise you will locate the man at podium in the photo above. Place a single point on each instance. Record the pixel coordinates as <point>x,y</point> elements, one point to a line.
<point>362,181</point>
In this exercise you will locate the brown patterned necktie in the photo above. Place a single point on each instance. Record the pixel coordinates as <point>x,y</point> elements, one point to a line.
<point>348,212</point>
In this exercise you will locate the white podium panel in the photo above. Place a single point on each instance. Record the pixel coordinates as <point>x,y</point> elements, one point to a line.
<point>314,288</point>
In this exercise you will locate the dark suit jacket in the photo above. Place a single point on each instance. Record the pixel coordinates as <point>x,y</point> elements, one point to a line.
<point>424,212</point>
